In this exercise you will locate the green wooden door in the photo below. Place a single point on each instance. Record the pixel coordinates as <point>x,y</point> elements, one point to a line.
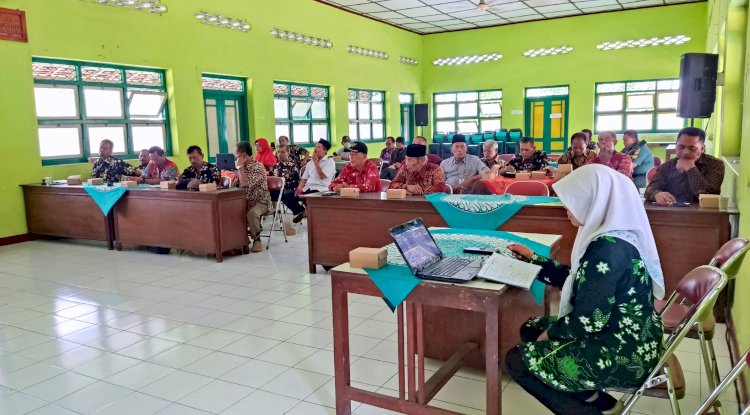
<point>547,122</point>
<point>226,122</point>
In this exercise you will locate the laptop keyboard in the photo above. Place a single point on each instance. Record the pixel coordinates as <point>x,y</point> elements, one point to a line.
<point>448,267</point>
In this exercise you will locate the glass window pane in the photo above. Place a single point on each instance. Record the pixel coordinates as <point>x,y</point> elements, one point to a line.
<point>212,129</point>
<point>319,131</point>
<point>364,131</point>
<point>445,98</point>
<point>377,111</point>
<point>114,133</point>
<point>613,87</point>
<point>143,78</point>
<point>404,98</point>
<point>301,133</point>
<point>641,102</point>
<point>667,100</point>
<point>378,131</point>
<point>60,141</point>
<point>446,110</point>
<point>282,129</point>
<point>640,122</point>
<point>492,109</point>
<point>232,122</point>
<point>467,96</point>
<point>377,97</point>
<point>281,108</point>
<point>445,127</point>
<point>490,125</point>
<point>609,103</point>
<point>97,74</point>
<point>352,110</point>
<point>468,126</point>
<point>490,95</point>
<point>53,71</point>
<point>56,102</point>
<point>301,109</point>
<point>146,104</point>
<point>319,110</point>
<point>145,136</point>
<point>669,121</point>
<point>609,122</point>
<point>364,110</point>
<point>103,102</point>
<point>467,110</point>
<point>353,131</point>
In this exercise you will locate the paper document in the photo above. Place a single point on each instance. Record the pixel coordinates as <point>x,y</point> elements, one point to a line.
<point>507,270</point>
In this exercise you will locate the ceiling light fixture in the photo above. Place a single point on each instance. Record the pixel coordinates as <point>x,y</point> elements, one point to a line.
<point>460,60</point>
<point>559,50</point>
<point>222,21</point>
<point>408,61</point>
<point>151,6</point>
<point>358,50</point>
<point>640,43</point>
<point>300,38</point>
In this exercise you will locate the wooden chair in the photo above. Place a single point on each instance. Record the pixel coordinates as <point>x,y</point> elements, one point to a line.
<point>657,161</point>
<point>384,183</point>
<point>448,189</point>
<point>275,183</point>
<point>698,291</point>
<point>725,384</point>
<point>527,188</point>
<point>651,173</point>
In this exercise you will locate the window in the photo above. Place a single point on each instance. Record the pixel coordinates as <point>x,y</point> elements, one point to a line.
<point>301,112</point>
<point>225,103</point>
<point>468,112</point>
<point>645,106</point>
<point>80,104</point>
<point>366,114</point>
<point>547,91</point>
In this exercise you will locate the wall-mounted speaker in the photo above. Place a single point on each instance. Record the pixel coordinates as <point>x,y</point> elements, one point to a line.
<point>421,115</point>
<point>698,73</point>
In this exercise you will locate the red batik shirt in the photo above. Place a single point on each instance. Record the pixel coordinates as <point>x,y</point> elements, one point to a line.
<point>619,161</point>
<point>367,179</point>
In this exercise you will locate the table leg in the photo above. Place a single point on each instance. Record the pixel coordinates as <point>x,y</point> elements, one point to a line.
<point>492,358</point>
<point>421,396</point>
<point>410,352</point>
<point>400,322</point>
<point>341,361</point>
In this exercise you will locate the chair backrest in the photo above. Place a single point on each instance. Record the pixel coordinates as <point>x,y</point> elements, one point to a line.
<point>651,173</point>
<point>384,184</point>
<point>476,139</point>
<point>730,252</point>
<point>449,138</point>
<point>448,189</point>
<point>515,134</point>
<point>275,183</point>
<point>488,135</point>
<point>506,157</point>
<point>438,138</point>
<point>657,161</point>
<point>501,135</point>
<point>527,188</point>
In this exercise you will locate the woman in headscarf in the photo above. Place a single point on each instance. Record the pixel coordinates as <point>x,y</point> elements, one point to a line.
<point>264,153</point>
<point>607,333</point>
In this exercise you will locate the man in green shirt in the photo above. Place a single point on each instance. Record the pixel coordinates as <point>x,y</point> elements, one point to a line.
<point>640,155</point>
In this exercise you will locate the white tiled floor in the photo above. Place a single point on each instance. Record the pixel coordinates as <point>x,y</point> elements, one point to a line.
<point>84,330</point>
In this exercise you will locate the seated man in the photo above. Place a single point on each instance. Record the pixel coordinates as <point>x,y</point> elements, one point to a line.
<point>640,156</point>
<point>360,172</point>
<point>343,152</point>
<point>318,174</point>
<point>609,157</point>
<point>143,159</point>
<point>199,171</point>
<point>159,169</point>
<point>431,158</point>
<point>490,157</point>
<point>688,175</point>
<point>397,159</point>
<point>418,176</point>
<point>110,168</point>
<point>590,145</point>
<point>390,146</point>
<point>577,155</point>
<point>286,167</point>
<point>252,176</point>
<point>297,154</point>
<point>463,170</point>
<point>527,159</point>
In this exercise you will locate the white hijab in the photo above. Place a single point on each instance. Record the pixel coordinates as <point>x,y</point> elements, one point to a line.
<point>606,203</point>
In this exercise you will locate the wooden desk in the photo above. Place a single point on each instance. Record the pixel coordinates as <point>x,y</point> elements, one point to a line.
<point>65,211</point>
<point>210,222</point>
<point>685,237</point>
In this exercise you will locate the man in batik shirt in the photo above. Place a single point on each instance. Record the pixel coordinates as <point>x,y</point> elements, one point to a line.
<point>360,172</point>
<point>110,168</point>
<point>417,175</point>
<point>252,177</point>
<point>199,171</point>
<point>528,158</point>
<point>159,169</point>
<point>285,167</point>
<point>297,154</point>
<point>577,155</point>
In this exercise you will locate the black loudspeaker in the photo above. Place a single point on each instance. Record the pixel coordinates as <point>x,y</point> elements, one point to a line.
<point>698,72</point>
<point>421,115</point>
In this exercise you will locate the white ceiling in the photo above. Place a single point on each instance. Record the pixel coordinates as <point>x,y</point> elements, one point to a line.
<point>433,16</point>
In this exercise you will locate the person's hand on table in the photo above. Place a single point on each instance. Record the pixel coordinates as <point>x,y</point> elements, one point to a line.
<point>298,192</point>
<point>685,165</point>
<point>194,184</point>
<point>337,189</point>
<point>414,189</point>
<point>521,252</point>
<point>665,199</point>
<point>137,179</point>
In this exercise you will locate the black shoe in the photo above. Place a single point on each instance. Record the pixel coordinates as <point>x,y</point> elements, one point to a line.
<point>299,217</point>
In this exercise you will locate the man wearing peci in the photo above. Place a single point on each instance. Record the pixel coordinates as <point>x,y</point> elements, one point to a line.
<point>417,175</point>
<point>463,170</point>
<point>360,172</point>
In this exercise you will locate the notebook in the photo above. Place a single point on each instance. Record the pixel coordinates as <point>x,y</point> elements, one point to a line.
<point>507,270</point>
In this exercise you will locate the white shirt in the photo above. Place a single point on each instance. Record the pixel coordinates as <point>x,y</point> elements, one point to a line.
<point>314,182</point>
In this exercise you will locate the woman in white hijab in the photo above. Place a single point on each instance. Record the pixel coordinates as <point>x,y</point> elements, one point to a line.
<point>607,333</point>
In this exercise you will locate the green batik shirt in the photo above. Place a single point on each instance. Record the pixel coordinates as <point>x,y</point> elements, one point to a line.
<point>612,337</point>
<point>111,169</point>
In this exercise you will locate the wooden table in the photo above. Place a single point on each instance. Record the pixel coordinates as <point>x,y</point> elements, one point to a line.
<point>209,222</point>
<point>67,212</point>
<point>685,237</point>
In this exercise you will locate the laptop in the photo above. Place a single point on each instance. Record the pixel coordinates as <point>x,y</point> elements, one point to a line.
<point>225,161</point>
<point>426,260</point>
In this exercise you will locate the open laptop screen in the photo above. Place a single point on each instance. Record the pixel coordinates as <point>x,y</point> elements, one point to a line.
<point>416,244</point>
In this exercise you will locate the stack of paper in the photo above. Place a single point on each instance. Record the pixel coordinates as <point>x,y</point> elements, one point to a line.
<point>506,270</point>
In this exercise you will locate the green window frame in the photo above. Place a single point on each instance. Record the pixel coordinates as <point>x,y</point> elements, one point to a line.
<point>647,106</point>
<point>224,100</point>
<point>137,89</point>
<point>301,112</point>
<point>467,112</point>
<point>366,115</point>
